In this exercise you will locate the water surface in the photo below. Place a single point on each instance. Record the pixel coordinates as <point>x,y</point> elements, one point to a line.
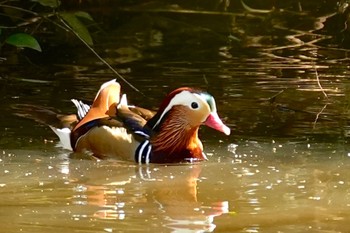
<point>280,80</point>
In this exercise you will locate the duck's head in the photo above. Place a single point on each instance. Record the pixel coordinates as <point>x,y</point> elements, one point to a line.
<point>193,107</point>
<point>179,117</point>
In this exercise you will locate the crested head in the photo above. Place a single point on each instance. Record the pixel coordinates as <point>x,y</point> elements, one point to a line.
<point>175,126</point>
<point>172,94</point>
<point>179,97</point>
<point>199,107</point>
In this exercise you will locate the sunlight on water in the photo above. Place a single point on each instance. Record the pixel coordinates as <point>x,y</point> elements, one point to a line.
<point>281,86</point>
<point>255,187</point>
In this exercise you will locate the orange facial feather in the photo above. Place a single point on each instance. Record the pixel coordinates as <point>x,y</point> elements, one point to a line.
<point>177,139</point>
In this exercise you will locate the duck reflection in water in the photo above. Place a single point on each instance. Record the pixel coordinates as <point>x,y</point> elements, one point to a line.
<point>165,195</point>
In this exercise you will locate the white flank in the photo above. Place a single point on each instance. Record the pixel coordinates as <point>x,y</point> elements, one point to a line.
<point>64,135</point>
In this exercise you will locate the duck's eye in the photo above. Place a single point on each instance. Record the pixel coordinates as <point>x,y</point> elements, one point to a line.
<point>194,105</point>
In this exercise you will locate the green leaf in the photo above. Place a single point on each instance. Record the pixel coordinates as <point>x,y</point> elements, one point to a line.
<point>22,40</point>
<point>84,15</point>
<point>49,3</point>
<point>77,26</point>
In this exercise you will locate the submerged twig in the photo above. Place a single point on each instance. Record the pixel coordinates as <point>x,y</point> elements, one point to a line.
<point>319,84</point>
<point>324,93</point>
<point>318,115</point>
<point>205,80</point>
<point>272,99</point>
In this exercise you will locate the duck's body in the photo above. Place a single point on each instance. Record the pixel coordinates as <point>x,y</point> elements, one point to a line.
<point>112,128</point>
<point>115,142</point>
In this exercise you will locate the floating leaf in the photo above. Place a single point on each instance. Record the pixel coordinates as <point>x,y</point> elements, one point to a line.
<point>77,26</point>
<point>49,3</point>
<point>22,40</point>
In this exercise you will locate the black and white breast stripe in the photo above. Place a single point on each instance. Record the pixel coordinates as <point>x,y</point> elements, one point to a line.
<point>143,153</point>
<point>142,133</point>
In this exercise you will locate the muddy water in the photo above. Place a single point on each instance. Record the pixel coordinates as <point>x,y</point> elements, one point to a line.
<point>249,187</point>
<point>282,88</point>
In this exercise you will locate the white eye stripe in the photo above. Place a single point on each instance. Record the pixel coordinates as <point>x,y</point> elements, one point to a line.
<point>184,98</point>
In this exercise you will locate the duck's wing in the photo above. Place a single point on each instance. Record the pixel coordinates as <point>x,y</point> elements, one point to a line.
<point>104,104</point>
<point>108,105</point>
<point>82,108</point>
<point>109,122</point>
<point>133,118</point>
<point>144,113</point>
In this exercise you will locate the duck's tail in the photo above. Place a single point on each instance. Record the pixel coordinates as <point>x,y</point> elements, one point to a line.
<point>60,124</point>
<point>64,136</point>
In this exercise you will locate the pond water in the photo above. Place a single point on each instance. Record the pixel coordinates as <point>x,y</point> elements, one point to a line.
<point>280,80</point>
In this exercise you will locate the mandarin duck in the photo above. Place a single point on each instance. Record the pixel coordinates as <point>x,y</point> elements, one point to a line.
<point>112,128</point>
